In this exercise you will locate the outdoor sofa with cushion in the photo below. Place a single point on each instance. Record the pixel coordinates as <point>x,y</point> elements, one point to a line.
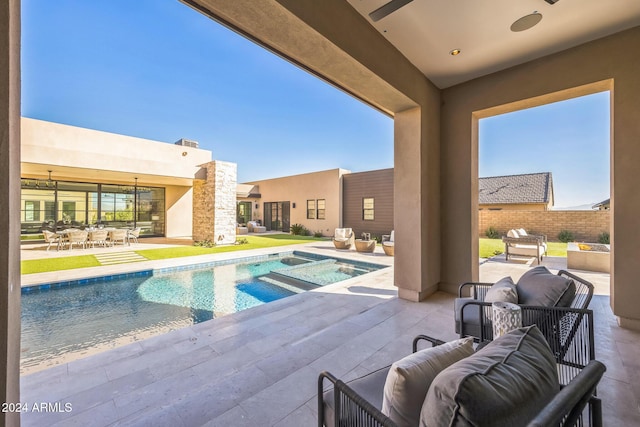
<point>343,238</point>
<point>511,381</point>
<point>520,243</point>
<point>255,228</point>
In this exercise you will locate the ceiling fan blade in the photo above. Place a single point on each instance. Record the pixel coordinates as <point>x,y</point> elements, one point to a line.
<point>387,9</point>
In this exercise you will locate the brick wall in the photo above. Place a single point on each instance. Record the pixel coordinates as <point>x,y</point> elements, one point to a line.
<point>585,225</point>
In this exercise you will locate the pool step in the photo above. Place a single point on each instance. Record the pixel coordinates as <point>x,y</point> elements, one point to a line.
<point>119,258</point>
<point>288,283</point>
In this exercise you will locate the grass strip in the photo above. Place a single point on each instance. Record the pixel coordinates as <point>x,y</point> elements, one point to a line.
<point>492,247</point>
<point>82,261</point>
<point>56,264</point>
<point>255,242</point>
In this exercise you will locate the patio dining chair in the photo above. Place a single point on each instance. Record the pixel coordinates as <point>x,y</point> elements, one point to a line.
<point>77,237</point>
<point>118,235</point>
<point>51,238</point>
<point>132,235</point>
<point>98,237</point>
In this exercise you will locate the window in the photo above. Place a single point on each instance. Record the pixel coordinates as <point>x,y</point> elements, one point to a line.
<point>321,206</point>
<point>311,209</point>
<point>31,210</point>
<point>367,209</point>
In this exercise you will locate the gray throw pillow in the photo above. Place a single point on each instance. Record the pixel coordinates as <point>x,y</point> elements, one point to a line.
<point>409,379</point>
<point>504,290</point>
<point>506,383</point>
<point>540,287</point>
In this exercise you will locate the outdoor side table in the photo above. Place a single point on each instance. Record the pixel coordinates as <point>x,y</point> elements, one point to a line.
<point>365,245</point>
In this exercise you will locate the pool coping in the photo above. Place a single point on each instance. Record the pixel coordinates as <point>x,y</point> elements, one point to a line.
<point>215,263</point>
<point>83,276</point>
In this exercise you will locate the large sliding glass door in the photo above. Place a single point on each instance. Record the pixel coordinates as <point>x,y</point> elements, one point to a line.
<point>277,216</point>
<point>59,204</point>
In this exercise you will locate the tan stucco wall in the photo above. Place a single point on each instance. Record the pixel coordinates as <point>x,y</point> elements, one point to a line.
<point>609,63</point>
<point>179,211</point>
<point>300,188</point>
<point>10,208</point>
<point>73,152</point>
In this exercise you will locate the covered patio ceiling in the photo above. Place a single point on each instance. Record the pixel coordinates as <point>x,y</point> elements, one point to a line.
<point>426,31</point>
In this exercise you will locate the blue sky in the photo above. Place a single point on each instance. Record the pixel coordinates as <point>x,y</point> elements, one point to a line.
<point>570,139</point>
<point>162,71</point>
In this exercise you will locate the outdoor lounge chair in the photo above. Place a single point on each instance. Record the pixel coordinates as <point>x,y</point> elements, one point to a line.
<point>519,243</point>
<point>343,238</point>
<point>387,243</point>
<point>556,303</point>
<point>241,230</point>
<point>449,384</point>
<point>255,228</point>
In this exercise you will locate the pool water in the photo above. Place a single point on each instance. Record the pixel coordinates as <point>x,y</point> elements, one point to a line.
<point>64,323</point>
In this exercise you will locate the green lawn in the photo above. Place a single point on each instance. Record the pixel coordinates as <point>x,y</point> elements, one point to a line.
<point>255,242</point>
<point>56,264</point>
<point>491,247</point>
<point>81,261</point>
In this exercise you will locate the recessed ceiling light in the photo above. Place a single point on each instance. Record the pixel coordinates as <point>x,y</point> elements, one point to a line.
<point>455,52</point>
<point>526,22</point>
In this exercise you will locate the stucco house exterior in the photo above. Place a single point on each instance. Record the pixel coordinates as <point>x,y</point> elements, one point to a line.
<point>72,176</point>
<point>321,201</point>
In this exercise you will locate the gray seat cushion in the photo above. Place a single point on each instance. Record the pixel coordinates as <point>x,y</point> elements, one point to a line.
<point>471,315</point>
<point>370,387</point>
<point>506,383</point>
<point>540,287</point>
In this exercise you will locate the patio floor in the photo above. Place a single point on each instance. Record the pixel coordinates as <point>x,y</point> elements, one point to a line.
<point>259,367</point>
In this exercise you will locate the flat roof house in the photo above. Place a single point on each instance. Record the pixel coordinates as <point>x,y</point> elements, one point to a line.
<point>72,176</point>
<point>437,72</point>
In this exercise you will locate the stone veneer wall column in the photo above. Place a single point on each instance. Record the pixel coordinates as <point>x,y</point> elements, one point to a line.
<point>214,203</point>
<point>224,201</point>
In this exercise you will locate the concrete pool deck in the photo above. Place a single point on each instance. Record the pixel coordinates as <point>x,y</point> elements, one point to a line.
<point>259,367</point>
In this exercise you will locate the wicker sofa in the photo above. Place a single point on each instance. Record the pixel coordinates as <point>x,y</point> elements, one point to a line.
<point>450,384</point>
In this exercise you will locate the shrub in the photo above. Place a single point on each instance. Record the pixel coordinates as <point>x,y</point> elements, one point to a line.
<point>604,238</point>
<point>242,241</point>
<point>318,234</point>
<point>566,236</point>
<point>492,233</point>
<point>205,243</point>
<point>298,230</point>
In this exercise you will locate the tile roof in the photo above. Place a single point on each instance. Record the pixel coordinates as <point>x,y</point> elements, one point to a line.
<point>527,188</point>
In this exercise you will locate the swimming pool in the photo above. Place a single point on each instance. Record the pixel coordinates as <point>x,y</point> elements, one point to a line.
<point>67,320</point>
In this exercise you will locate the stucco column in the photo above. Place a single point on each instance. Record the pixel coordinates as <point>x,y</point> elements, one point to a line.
<point>416,206</point>
<point>10,208</point>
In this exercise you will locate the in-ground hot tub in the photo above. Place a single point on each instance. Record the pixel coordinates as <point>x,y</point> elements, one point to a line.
<point>588,256</point>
